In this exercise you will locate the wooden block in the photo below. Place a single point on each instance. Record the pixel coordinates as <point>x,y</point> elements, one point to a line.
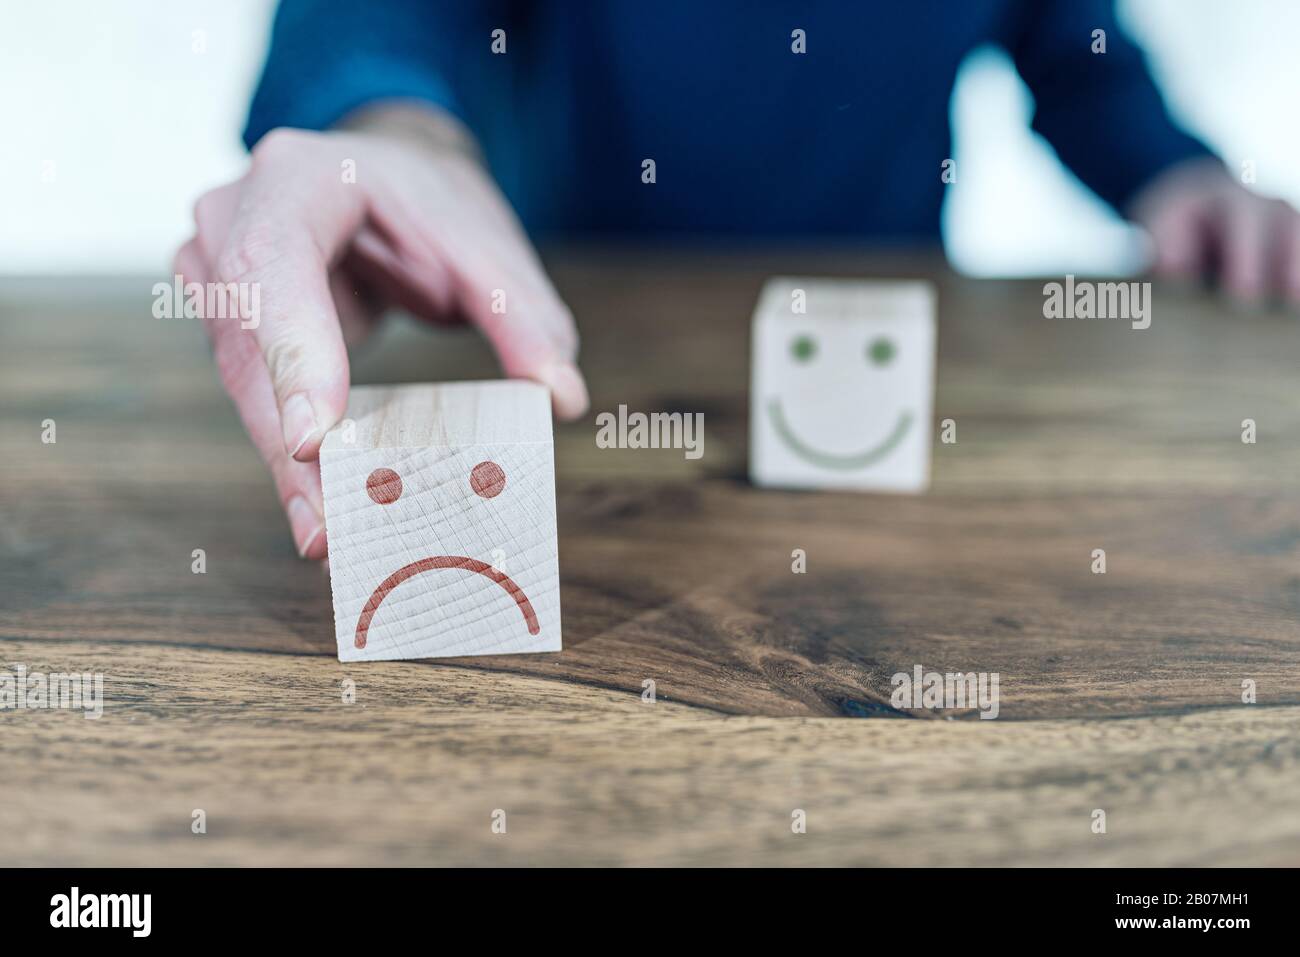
<point>842,389</point>
<point>440,512</point>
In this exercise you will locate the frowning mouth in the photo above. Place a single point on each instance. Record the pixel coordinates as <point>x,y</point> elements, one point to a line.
<point>443,561</point>
<point>831,460</point>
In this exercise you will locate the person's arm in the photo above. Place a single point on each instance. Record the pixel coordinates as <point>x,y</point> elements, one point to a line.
<point>1105,118</point>
<point>1100,111</point>
<point>328,58</point>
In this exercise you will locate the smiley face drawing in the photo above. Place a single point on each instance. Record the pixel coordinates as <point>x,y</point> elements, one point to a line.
<point>842,391</point>
<point>442,550</point>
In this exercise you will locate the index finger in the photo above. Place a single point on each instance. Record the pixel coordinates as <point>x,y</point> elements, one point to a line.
<point>294,216</point>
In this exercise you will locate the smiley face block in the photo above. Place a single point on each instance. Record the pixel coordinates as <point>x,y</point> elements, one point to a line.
<point>440,512</point>
<point>843,385</point>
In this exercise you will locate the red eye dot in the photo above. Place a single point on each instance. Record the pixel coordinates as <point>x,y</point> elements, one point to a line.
<point>384,486</point>
<point>487,479</point>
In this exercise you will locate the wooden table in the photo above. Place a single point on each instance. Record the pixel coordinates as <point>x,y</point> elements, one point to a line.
<point>1120,691</point>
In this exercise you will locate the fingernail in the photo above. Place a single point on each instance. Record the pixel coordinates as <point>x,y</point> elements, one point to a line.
<point>299,422</point>
<point>305,523</point>
<point>568,390</point>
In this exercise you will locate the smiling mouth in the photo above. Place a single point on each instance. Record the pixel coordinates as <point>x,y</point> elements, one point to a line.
<point>831,460</point>
<point>443,561</point>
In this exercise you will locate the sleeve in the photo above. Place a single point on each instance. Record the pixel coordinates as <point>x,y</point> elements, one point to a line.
<point>1100,111</point>
<point>329,57</point>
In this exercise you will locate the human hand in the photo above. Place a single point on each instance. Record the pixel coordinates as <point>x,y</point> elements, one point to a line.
<point>421,226</point>
<point>1204,224</point>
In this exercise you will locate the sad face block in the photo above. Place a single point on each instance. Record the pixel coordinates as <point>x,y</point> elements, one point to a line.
<point>440,512</point>
<point>843,385</point>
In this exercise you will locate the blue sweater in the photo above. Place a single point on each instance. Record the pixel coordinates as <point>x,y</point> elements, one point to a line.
<point>748,137</point>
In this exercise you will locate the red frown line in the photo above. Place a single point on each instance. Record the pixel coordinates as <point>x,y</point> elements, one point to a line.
<point>443,561</point>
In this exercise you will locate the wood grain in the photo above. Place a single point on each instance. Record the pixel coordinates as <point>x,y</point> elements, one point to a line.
<point>412,772</point>
<point>1071,437</point>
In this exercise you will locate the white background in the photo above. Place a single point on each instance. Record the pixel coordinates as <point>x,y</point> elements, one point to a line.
<point>117,115</point>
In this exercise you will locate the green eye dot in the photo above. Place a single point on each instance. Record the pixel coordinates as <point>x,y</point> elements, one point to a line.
<point>803,348</point>
<point>881,352</point>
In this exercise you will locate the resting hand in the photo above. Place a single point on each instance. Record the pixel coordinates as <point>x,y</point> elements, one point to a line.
<point>1204,224</point>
